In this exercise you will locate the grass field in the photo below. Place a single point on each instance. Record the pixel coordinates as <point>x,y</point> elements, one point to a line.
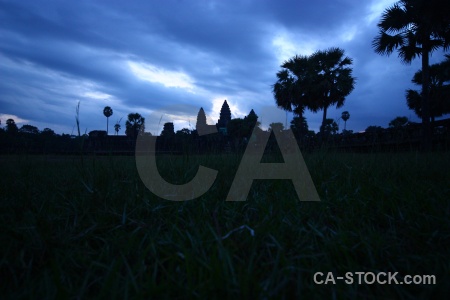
<point>87,227</point>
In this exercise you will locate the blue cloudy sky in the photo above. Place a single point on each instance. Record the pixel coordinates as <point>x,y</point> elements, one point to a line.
<point>166,59</point>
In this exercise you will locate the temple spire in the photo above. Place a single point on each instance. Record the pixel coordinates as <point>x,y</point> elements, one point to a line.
<point>201,119</point>
<point>225,115</point>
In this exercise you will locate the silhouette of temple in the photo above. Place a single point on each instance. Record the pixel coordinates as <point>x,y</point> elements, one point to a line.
<point>225,117</point>
<point>221,125</point>
<point>201,121</point>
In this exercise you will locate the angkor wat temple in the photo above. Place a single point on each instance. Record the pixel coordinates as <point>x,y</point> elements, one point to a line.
<point>227,135</point>
<point>99,141</point>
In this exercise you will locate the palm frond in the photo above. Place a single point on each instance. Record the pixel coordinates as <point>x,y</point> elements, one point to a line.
<point>394,19</point>
<point>408,53</point>
<point>385,44</point>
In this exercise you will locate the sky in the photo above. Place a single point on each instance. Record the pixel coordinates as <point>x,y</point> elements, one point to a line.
<point>166,59</point>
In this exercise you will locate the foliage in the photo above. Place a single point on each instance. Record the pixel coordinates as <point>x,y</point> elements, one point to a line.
<point>330,127</point>
<point>117,126</point>
<point>398,122</point>
<point>292,80</point>
<point>135,125</point>
<point>345,116</point>
<point>333,81</point>
<point>47,132</point>
<point>242,128</point>
<point>374,129</point>
<point>108,112</point>
<point>415,28</point>
<point>183,132</point>
<point>277,126</point>
<point>29,129</point>
<point>11,126</point>
<point>347,132</point>
<point>299,126</point>
<point>439,89</point>
<point>314,82</point>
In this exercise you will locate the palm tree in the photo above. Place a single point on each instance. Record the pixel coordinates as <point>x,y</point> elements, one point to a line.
<point>287,90</point>
<point>334,80</point>
<point>315,82</point>
<point>415,28</point>
<point>345,116</point>
<point>439,92</point>
<point>107,111</point>
<point>117,126</point>
<point>135,125</point>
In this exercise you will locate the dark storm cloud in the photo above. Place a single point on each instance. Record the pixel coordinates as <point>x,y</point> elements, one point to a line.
<point>141,56</point>
<point>319,16</point>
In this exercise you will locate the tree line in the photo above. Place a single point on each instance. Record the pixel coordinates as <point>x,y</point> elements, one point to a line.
<point>415,28</point>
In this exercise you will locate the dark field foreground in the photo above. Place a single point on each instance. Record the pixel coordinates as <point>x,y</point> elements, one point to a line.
<point>84,228</point>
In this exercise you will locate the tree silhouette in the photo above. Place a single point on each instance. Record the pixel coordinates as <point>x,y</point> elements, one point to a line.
<point>398,122</point>
<point>372,128</point>
<point>330,127</point>
<point>108,112</point>
<point>415,28</point>
<point>439,92</point>
<point>47,132</point>
<point>276,126</point>
<point>299,126</point>
<point>333,79</point>
<point>117,126</point>
<point>135,125</point>
<point>292,80</point>
<point>29,129</point>
<point>315,82</point>
<point>183,132</point>
<point>11,126</point>
<point>345,116</point>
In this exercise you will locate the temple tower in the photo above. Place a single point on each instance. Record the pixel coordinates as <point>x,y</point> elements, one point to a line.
<point>225,117</point>
<point>201,120</point>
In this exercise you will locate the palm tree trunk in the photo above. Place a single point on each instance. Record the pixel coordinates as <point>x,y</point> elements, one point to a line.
<point>324,118</point>
<point>107,125</point>
<point>426,126</point>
